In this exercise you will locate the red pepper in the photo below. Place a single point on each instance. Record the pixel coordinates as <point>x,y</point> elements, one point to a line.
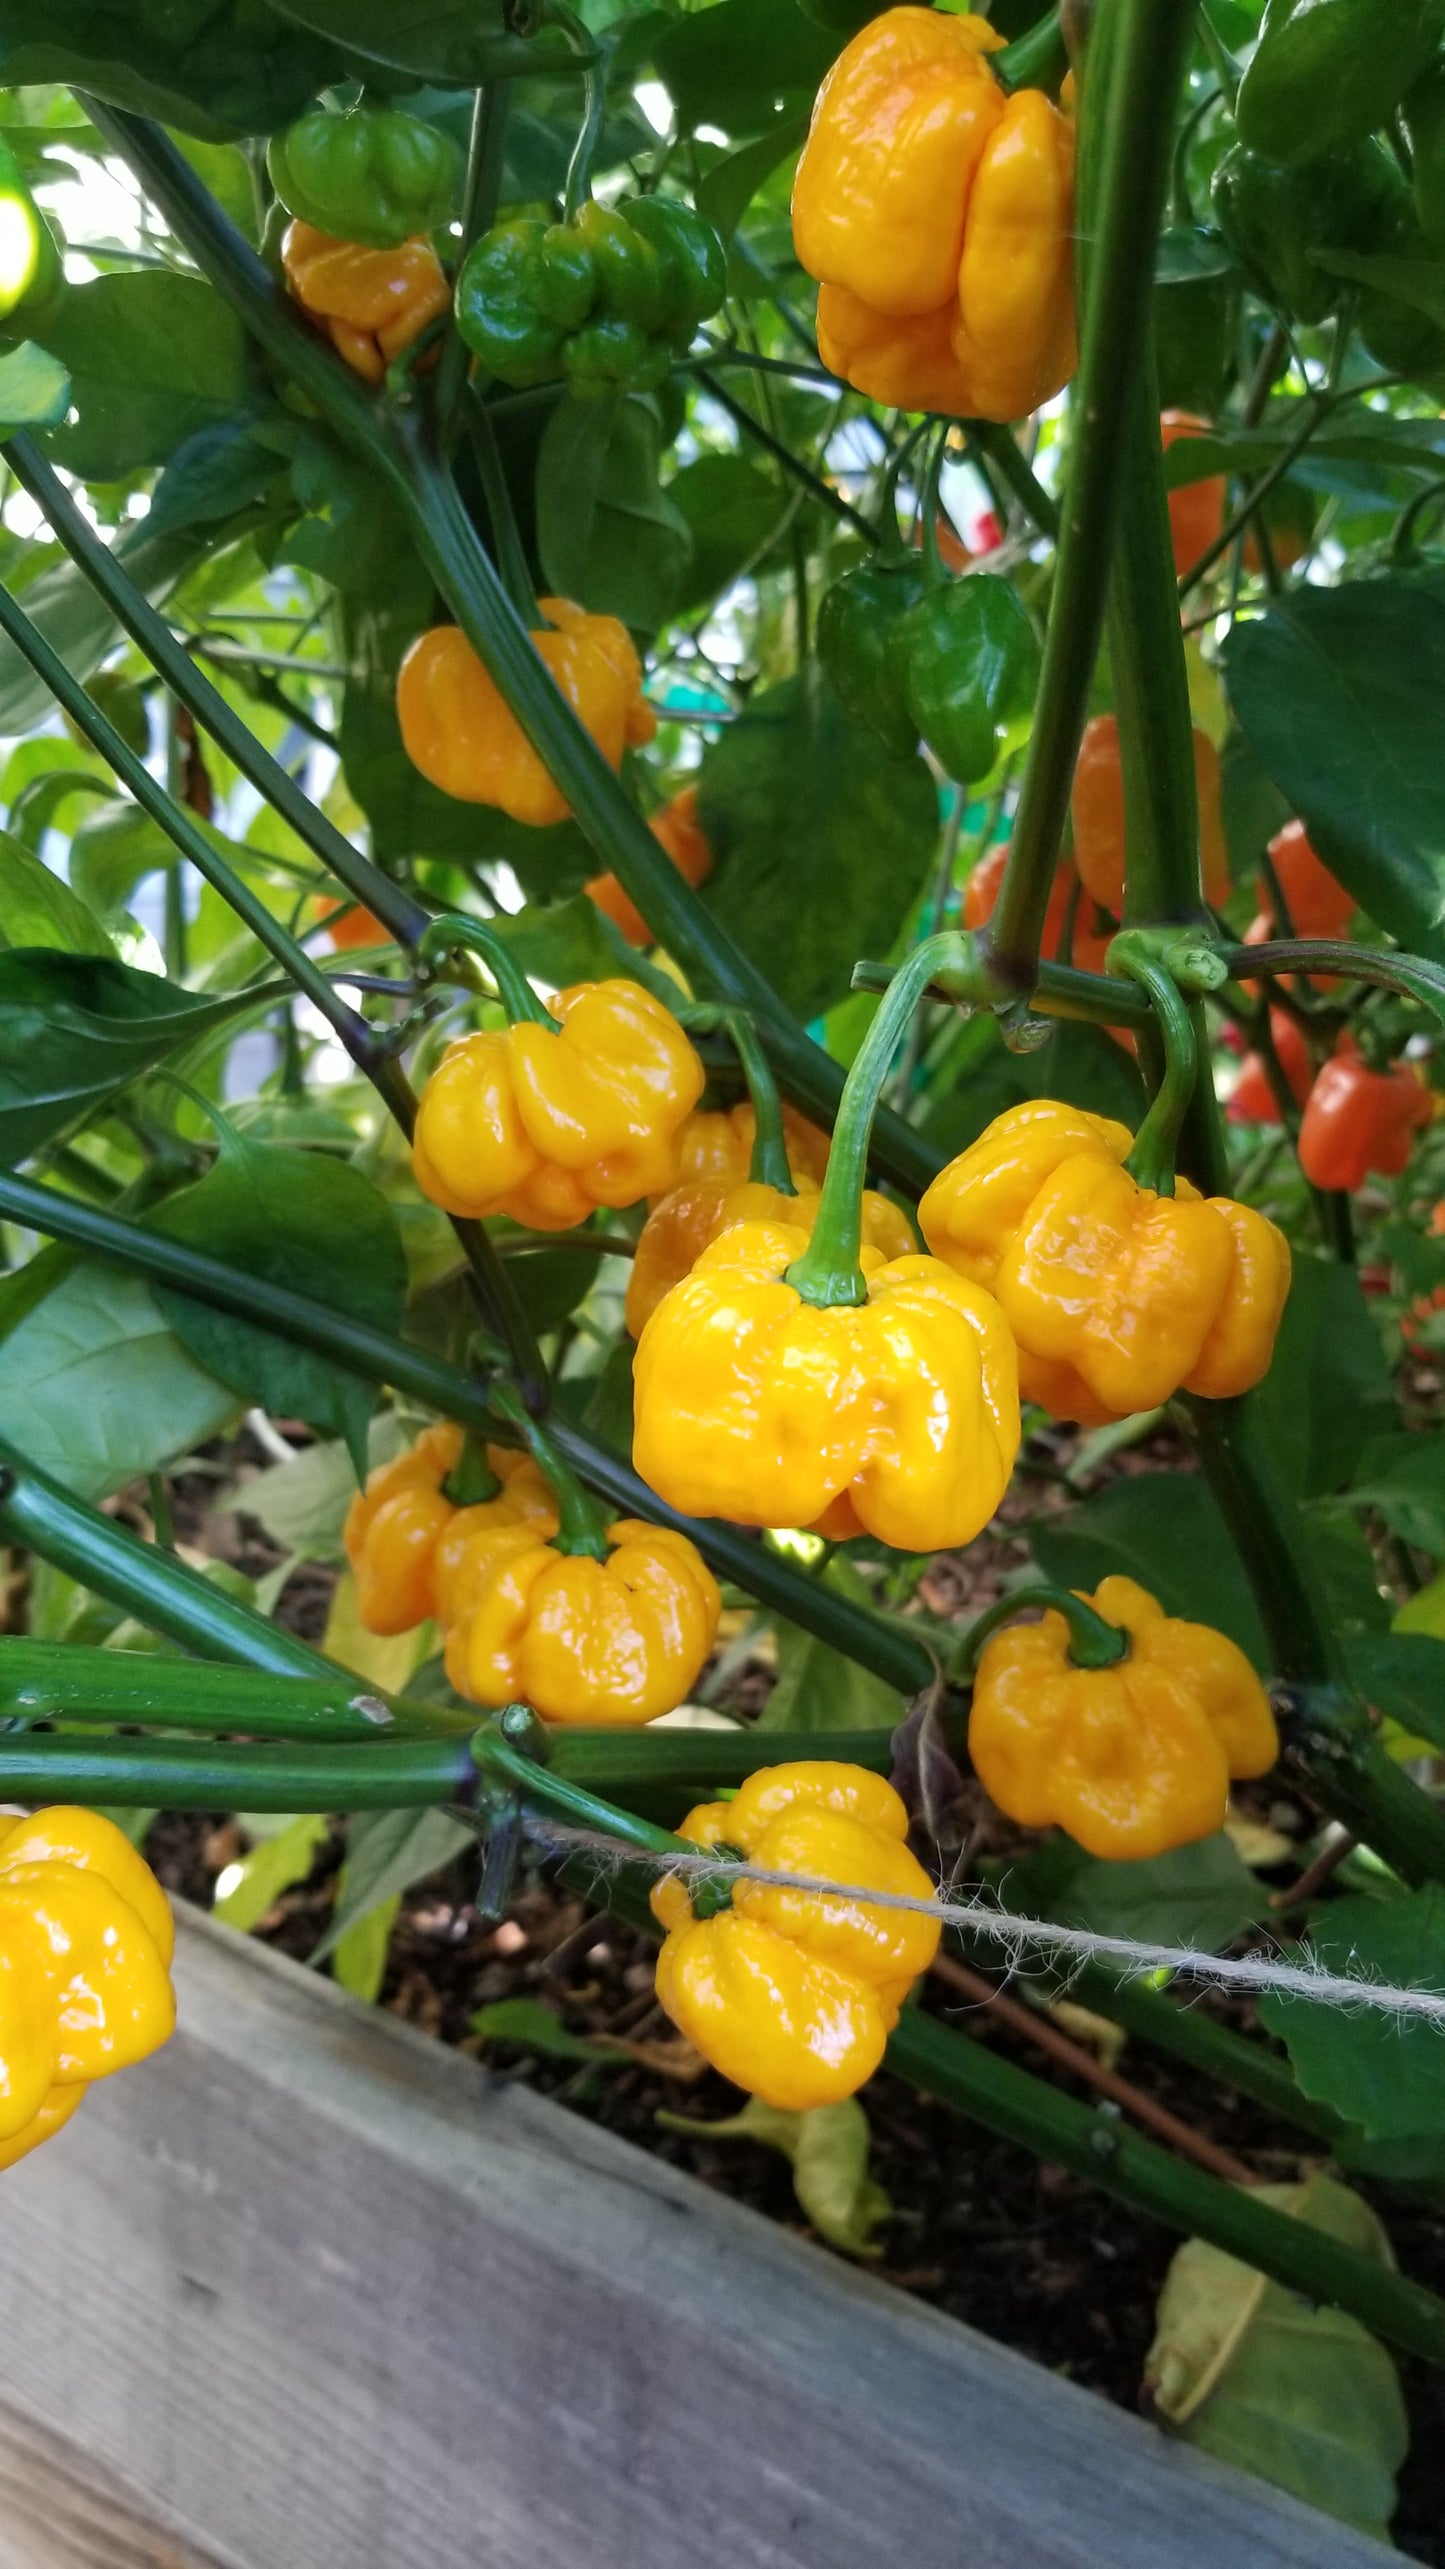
<point>1196,509</point>
<point>1252,1100</point>
<point>1318,906</point>
<point>1358,1120</point>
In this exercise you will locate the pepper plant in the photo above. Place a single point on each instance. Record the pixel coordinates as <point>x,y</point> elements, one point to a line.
<point>571,638</point>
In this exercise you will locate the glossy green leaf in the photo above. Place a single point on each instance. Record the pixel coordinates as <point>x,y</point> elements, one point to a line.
<point>358,1957</point>
<point>75,1028</point>
<point>95,1387</point>
<point>315,1225</point>
<point>259,1877</point>
<point>980,1078</point>
<point>817,1687</point>
<point>1402,1674</point>
<point>76,621</point>
<point>222,468</point>
<point>1327,72</point>
<point>733,509</point>
<point>1200,1895</point>
<point>441,40</point>
<point>34,388</point>
<point>821,837</point>
<point>1305,2398</point>
<point>535,2027</point>
<point>726,191</point>
<point>215,68</point>
<point>1404,1477</point>
<point>152,358</point>
<point>730,65</point>
<point>38,909</point>
<point>1382,2072</point>
<point>1339,694</point>
<point>1165,1530</point>
<point>608,534</point>
<point>1328,1391</point>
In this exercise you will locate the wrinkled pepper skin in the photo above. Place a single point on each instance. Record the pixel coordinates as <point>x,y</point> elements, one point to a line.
<point>373,175</point>
<point>465,739</point>
<point>680,834</point>
<point>545,1127</point>
<point>754,1405</point>
<point>398,1528</point>
<point>1275,215</point>
<point>688,1219</point>
<point>85,1946</point>
<point>1252,1100</point>
<point>937,214</point>
<point>1325,73</point>
<point>32,277</point>
<point>1358,1122</point>
<point>859,624</point>
<point>1132,1760</point>
<point>1317,904</point>
<point>1097,806</point>
<point>614,1642</point>
<point>1117,1297</point>
<point>373,303</point>
<point>718,1143</point>
<point>610,300</point>
<point>970,667</point>
<point>789,1994</point>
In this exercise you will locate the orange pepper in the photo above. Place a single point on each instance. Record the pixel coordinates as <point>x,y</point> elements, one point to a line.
<point>458,731</point>
<point>374,303</point>
<point>1196,509</point>
<point>1098,815</point>
<point>677,829</point>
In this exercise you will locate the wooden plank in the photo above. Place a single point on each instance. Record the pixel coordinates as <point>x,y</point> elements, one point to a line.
<point>60,2510</point>
<point>331,2297</point>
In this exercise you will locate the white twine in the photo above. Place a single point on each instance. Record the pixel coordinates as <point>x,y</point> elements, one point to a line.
<point>1307,1979</point>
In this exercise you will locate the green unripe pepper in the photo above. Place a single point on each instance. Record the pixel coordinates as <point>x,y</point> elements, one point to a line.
<point>1275,216</point>
<point>1424,119</point>
<point>32,278</point>
<point>858,645</point>
<point>1325,73</point>
<point>970,668</point>
<point>1194,315</point>
<point>610,299</point>
<point>377,176</point>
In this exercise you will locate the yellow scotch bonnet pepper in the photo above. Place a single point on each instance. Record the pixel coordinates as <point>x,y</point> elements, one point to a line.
<point>401,1529</point>
<point>690,1217</point>
<point>568,1108</point>
<point>1134,1757</point>
<point>464,738</point>
<point>936,211</point>
<point>615,1641</point>
<point>790,1994</point>
<point>718,1142</point>
<point>1117,1296</point>
<point>373,303</point>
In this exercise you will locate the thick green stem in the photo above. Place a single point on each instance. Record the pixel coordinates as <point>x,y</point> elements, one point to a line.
<point>981,2084</point>
<point>235,1775</point>
<point>828,1273</point>
<point>152,635</point>
<point>1093,998</point>
<point>1094,1642</point>
<point>452,934</point>
<point>768,1165</point>
<point>486,154</point>
<point>1151,684</point>
<point>64,1681</point>
<point>506,540</point>
<point>1410,974</point>
<point>1132,105</point>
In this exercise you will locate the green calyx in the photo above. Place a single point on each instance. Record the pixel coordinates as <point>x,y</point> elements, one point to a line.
<point>377,176</point>
<point>609,299</point>
<point>1279,218</point>
<point>471,1479</point>
<point>452,937</point>
<point>970,668</point>
<point>1094,1642</point>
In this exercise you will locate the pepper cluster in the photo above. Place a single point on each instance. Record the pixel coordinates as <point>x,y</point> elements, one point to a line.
<point>609,299</point>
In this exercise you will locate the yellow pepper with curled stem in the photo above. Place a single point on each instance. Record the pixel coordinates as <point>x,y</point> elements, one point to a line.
<point>1113,1720</point>
<point>401,1529</point>
<point>566,1109</point>
<point>789,1993</point>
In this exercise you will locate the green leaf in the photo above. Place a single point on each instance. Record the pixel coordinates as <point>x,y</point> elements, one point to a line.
<point>76,621</point>
<point>538,2028</point>
<point>358,1958</point>
<point>817,1688</point>
<point>730,65</point>
<point>442,40</point>
<point>821,837</point>
<point>1200,1895</point>
<point>215,68</point>
<point>75,1028</point>
<point>607,533</point>
<point>34,388</point>
<point>732,509</point>
<point>724,194</point>
<point>980,1078</point>
<point>1384,2073</point>
<point>1403,1675</point>
<point>827,2148</point>
<point>1417,282</point>
<point>1339,694</point>
<point>1328,1391</point>
<point>1305,2398</point>
<point>386,1852</point>
<point>37,909</point>
<point>222,468</point>
<point>259,1878</point>
<point>152,357</point>
<point>302,1504</point>
<point>1165,1530</point>
<point>1404,1477</point>
<point>96,1389</point>
<point>314,1225</point>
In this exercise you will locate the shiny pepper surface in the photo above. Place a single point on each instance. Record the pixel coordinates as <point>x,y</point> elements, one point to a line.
<point>396,1526</point>
<point>374,303</point>
<point>1326,72</point>
<point>788,1993</point>
<point>1318,906</point>
<point>1275,218</point>
<point>457,729</point>
<point>970,664</point>
<point>615,1642</point>
<point>860,624</point>
<point>1132,1760</point>
<point>680,835</point>
<point>1196,509</point>
<point>1117,1297</point>
<point>937,214</point>
<point>1359,1121</point>
<point>755,1405</point>
<point>689,1218</point>
<point>610,300</point>
<point>1252,1099</point>
<point>718,1143</point>
<point>1098,816</point>
<point>373,175</point>
<point>85,1945</point>
<point>545,1127</point>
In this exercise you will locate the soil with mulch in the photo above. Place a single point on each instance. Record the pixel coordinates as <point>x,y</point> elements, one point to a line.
<point>1021,2250</point>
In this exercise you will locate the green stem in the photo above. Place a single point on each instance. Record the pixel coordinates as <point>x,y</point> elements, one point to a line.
<point>1012,466</point>
<point>1091,997</point>
<point>622,1761</point>
<point>979,2083</point>
<point>234,1775</point>
<point>486,154</point>
<point>514,1749</point>
<point>1302,1645</point>
<point>768,1165</point>
<point>506,541</point>
<point>64,1681</point>
<point>152,635</point>
<point>813,483</point>
<point>471,1481</point>
<point>891,1653</point>
<point>582,1526</point>
<point>1151,683</point>
<point>594,108</point>
<point>828,1273</point>
<point>1151,1161</point>
<point>1410,974</point>
<point>1036,60</point>
<point>452,934</point>
<point>1094,1642</point>
<point>1150,40</point>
